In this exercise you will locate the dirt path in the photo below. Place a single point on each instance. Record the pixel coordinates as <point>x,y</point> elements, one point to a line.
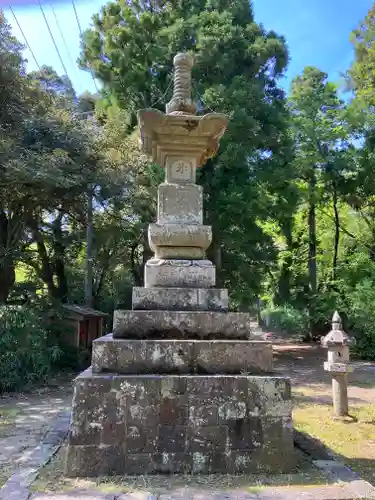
<point>304,365</point>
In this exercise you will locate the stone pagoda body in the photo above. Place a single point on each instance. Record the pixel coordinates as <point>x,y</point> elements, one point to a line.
<point>180,386</point>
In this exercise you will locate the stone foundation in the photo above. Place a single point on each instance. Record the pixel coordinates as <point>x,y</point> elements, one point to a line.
<point>180,356</point>
<point>140,424</point>
<point>180,299</point>
<point>181,325</point>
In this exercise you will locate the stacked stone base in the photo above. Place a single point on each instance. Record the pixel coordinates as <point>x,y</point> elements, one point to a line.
<point>164,356</point>
<point>144,424</point>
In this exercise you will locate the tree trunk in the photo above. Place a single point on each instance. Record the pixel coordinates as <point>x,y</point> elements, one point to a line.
<point>146,254</point>
<point>337,233</point>
<point>214,254</point>
<point>46,272</point>
<point>61,290</point>
<point>7,278</point>
<point>7,267</point>
<point>312,267</point>
<point>89,251</point>
<point>283,292</point>
<point>135,267</point>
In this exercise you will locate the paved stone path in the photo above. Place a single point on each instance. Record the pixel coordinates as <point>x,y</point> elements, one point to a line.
<point>335,492</point>
<point>38,424</point>
<point>34,413</point>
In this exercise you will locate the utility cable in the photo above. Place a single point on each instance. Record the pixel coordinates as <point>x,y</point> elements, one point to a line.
<point>165,93</point>
<point>53,40</point>
<point>204,104</point>
<point>65,44</point>
<point>24,37</point>
<point>81,33</point>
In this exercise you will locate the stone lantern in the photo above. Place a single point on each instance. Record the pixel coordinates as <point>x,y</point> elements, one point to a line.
<point>337,342</point>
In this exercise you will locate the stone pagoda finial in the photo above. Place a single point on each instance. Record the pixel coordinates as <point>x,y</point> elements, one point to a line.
<point>181,102</point>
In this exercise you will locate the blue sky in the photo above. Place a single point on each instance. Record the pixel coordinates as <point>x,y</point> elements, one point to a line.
<point>317,32</point>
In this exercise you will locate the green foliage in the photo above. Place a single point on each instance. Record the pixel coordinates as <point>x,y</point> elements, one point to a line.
<point>362,72</point>
<point>28,350</point>
<point>287,320</point>
<point>130,48</point>
<point>290,195</point>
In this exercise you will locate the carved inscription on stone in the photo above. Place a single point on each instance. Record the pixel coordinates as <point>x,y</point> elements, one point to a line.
<point>180,171</point>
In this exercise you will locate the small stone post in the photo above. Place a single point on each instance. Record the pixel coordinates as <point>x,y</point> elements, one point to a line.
<point>337,342</point>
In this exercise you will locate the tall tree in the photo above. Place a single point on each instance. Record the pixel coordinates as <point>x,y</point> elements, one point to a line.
<point>362,72</point>
<point>322,139</point>
<point>130,48</point>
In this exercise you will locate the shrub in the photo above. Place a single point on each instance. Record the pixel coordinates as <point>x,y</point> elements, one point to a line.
<point>286,320</point>
<point>361,312</point>
<point>28,349</point>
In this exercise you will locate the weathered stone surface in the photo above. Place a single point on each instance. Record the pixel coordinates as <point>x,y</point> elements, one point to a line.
<point>82,495</point>
<point>143,424</point>
<point>181,324</point>
<point>179,235</point>
<point>179,273</point>
<point>327,492</point>
<point>180,299</point>
<point>227,356</point>
<point>207,494</point>
<point>181,253</point>
<point>180,204</point>
<point>180,356</point>
<point>180,169</point>
<point>185,423</point>
<point>194,136</point>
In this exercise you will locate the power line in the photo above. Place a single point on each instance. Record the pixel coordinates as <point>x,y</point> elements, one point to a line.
<point>65,44</point>
<point>52,38</point>
<point>165,93</point>
<point>81,33</point>
<point>24,37</point>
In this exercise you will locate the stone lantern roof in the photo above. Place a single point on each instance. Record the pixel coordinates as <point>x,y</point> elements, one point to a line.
<point>337,336</point>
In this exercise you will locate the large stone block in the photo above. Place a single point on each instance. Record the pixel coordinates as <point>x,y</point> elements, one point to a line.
<point>206,424</point>
<point>179,241</point>
<point>180,356</point>
<point>179,235</point>
<point>179,273</point>
<point>180,204</point>
<point>181,253</point>
<point>180,299</point>
<point>181,325</point>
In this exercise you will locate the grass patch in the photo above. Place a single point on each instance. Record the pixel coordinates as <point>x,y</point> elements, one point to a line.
<point>5,473</point>
<point>353,443</point>
<point>8,418</point>
<point>51,479</point>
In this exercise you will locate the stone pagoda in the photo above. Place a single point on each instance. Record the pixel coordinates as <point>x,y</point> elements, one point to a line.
<point>180,386</point>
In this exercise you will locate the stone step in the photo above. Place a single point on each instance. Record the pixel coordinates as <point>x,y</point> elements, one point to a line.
<point>181,325</point>
<point>180,299</point>
<point>180,356</point>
